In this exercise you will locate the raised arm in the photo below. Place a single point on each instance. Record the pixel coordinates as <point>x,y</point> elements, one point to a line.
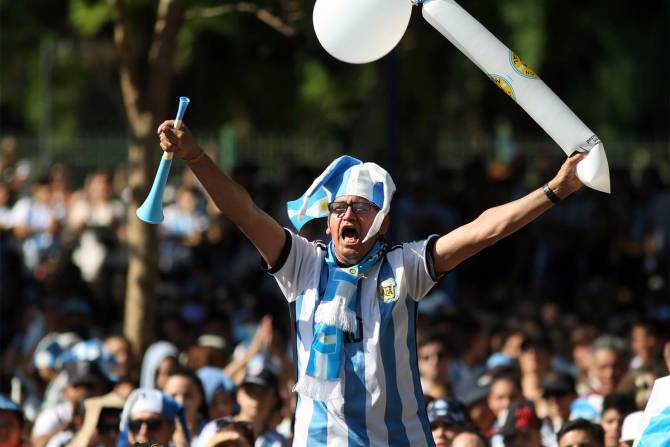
<point>501,221</point>
<point>231,198</point>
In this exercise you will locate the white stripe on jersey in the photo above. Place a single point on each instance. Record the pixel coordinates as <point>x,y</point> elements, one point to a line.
<point>375,382</point>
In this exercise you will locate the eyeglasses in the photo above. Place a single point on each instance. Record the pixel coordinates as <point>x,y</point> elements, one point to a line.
<point>340,208</point>
<point>152,424</point>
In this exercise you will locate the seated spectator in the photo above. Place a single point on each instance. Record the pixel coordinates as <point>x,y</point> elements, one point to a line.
<point>505,390</point>
<point>220,392</point>
<point>615,408</point>
<point>11,424</point>
<point>535,363</point>
<point>159,359</point>
<point>185,387</point>
<point>645,344</point>
<point>470,439</point>
<point>210,350</point>
<point>84,379</point>
<point>182,229</point>
<point>522,426</point>
<point>608,365</point>
<point>558,392</point>
<point>36,222</point>
<point>102,416</point>
<point>259,399</point>
<point>580,433</point>
<point>474,393</point>
<point>434,365</point>
<point>447,419</point>
<point>47,360</point>
<point>150,416</point>
<point>226,432</point>
<point>119,347</point>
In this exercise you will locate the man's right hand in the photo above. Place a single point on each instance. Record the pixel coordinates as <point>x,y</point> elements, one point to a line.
<point>180,141</point>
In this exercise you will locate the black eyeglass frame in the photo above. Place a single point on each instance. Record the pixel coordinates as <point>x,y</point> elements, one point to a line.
<point>358,208</point>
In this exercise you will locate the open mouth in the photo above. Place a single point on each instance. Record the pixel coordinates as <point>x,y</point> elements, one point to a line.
<point>350,235</point>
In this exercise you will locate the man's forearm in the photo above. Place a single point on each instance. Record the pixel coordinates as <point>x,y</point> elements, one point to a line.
<point>237,205</point>
<point>499,222</point>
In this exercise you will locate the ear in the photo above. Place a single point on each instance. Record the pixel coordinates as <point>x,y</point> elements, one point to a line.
<point>328,232</point>
<point>385,225</point>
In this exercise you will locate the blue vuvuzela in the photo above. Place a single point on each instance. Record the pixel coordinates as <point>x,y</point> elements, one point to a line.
<point>151,210</point>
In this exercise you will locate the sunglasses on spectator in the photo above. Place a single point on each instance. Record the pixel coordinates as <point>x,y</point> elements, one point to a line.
<point>340,208</point>
<point>152,424</point>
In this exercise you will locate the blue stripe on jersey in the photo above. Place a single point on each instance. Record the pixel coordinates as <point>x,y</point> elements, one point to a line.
<point>298,338</point>
<point>397,435</point>
<point>317,433</point>
<point>355,393</point>
<point>414,363</point>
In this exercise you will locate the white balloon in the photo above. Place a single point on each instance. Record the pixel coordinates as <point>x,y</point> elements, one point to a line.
<point>360,31</point>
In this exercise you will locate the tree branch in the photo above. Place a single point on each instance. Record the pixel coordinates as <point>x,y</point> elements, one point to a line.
<point>160,58</point>
<point>261,14</point>
<point>128,77</point>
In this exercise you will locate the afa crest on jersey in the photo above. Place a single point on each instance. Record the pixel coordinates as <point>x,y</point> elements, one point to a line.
<point>388,290</point>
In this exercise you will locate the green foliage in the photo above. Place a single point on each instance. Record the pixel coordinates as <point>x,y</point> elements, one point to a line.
<point>525,23</point>
<point>607,60</point>
<point>89,16</point>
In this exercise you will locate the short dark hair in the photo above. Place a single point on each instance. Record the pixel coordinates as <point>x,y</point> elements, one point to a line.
<point>506,372</point>
<point>591,428</point>
<point>622,402</point>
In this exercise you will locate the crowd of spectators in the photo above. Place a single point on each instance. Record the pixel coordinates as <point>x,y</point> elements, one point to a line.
<point>557,332</point>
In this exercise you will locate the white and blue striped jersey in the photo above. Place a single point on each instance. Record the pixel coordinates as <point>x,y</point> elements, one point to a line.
<point>383,402</point>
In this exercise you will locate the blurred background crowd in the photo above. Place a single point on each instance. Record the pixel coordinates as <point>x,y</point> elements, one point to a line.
<point>567,320</point>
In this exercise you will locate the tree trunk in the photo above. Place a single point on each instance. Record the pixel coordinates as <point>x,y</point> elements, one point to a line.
<point>144,106</point>
<point>140,310</point>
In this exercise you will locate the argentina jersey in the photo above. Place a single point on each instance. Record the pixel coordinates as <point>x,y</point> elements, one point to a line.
<point>383,401</point>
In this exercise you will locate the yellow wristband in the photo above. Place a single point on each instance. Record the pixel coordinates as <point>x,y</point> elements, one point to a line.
<point>196,158</point>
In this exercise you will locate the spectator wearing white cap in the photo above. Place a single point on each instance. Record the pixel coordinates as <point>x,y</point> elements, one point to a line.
<point>630,429</point>
<point>151,416</point>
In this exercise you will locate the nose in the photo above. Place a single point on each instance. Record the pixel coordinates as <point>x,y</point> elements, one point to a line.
<point>349,213</point>
<point>143,434</point>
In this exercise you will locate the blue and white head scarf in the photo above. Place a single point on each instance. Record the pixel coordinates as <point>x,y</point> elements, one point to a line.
<point>50,350</point>
<point>215,380</point>
<point>153,357</point>
<point>93,350</point>
<point>345,176</point>
<point>152,401</point>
